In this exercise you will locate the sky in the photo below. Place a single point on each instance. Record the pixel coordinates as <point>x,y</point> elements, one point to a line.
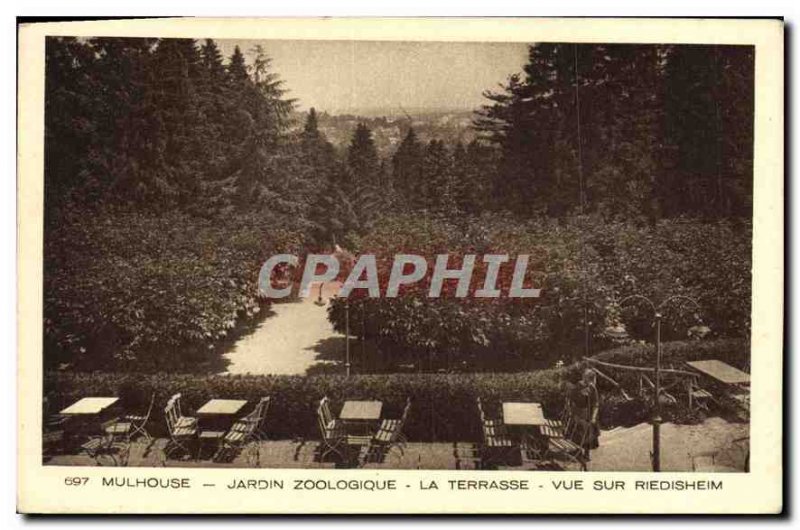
<point>346,76</point>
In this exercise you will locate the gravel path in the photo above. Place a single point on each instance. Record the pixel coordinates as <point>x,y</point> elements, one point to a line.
<point>292,340</point>
<point>628,449</point>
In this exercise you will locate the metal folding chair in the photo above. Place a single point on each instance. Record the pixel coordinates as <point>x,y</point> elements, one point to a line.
<point>572,445</point>
<point>334,436</point>
<point>496,447</point>
<point>247,430</point>
<point>182,429</point>
<point>390,434</point>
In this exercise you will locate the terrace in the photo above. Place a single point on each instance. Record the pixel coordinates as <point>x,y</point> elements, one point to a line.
<point>621,449</point>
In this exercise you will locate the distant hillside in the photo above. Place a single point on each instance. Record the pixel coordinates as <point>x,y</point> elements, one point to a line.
<point>388,130</point>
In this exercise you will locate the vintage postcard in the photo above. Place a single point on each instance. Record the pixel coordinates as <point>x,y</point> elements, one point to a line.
<point>507,266</point>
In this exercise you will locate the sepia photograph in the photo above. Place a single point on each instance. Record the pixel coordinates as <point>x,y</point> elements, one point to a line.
<point>343,255</point>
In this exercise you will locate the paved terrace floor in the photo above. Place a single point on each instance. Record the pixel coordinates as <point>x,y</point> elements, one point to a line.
<point>622,449</point>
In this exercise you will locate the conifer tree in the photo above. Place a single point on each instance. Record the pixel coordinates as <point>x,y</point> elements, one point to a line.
<point>363,173</point>
<point>407,169</point>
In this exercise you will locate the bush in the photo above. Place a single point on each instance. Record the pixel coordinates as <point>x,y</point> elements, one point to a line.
<point>584,261</point>
<point>123,289</point>
<point>443,405</point>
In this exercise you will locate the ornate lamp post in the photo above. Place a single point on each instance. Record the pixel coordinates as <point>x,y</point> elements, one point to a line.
<point>657,315</point>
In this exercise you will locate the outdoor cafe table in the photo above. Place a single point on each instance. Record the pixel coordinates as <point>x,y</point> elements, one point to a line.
<point>525,419</point>
<point>721,372</point>
<point>89,406</point>
<point>362,415</point>
<point>86,415</point>
<point>214,419</point>
<point>219,414</point>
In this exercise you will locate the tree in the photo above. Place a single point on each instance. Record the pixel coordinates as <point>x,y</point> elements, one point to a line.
<point>709,111</point>
<point>362,178</point>
<point>438,171</point>
<point>407,170</point>
<point>474,170</point>
<point>237,68</point>
<point>533,120</point>
<point>317,150</point>
<point>631,131</point>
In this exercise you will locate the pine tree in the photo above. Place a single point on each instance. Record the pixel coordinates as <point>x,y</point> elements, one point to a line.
<point>534,122</point>
<point>407,168</point>
<point>709,125</point>
<point>211,59</point>
<point>319,152</point>
<point>274,107</point>
<point>311,128</point>
<point>438,171</point>
<point>362,178</point>
<point>176,104</point>
<point>237,68</point>
<point>474,168</point>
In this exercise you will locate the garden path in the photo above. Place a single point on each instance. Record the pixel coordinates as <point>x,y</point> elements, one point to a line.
<point>288,341</point>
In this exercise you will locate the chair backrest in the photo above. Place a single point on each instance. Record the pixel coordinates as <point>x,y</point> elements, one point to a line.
<point>480,409</point>
<point>404,417</point>
<point>325,410</point>
<point>322,417</point>
<point>261,410</point>
<point>178,405</point>
<point>173,411</point>
<point>150,408</point>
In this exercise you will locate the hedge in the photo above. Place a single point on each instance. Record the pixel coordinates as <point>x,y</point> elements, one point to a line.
<point>443,408</point>
<point>443,404</point>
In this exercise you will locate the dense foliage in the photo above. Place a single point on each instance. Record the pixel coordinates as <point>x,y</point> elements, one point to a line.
<point>443,405</point>
<point>152,292</point>
<point>627,131</point>
<point>579,263</point>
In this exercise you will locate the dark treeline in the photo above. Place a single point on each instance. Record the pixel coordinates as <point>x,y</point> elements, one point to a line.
<point>161,123</point>
<point>637,132</point>
<point>654,131</point>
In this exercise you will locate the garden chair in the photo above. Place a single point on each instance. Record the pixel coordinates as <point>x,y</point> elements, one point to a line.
<point>54,435</point>
<point>485,421</point>
<point>496,446</point>
<point>572,445</point>
<point>556,428</point>
<point>182,429</point>
<point>698,397</point>
<point>259,417</point>
<point>390,434</point>
<point>132,424</point>
<point>105,445</point>
<point>247,429</point>
<point>334,436</point>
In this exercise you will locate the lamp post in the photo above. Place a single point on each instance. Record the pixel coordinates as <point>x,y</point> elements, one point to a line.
<point>347,336</point>
<point>657,315</point>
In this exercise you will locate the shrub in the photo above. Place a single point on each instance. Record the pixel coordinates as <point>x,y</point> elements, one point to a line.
<point>585,262</point>
<point>123,289</point>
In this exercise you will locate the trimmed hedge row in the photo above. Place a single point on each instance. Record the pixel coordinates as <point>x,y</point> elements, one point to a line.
<point>443,406</point>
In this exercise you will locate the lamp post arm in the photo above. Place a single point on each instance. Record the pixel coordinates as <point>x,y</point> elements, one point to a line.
<point>639,297</point>
<point>681,298</point>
